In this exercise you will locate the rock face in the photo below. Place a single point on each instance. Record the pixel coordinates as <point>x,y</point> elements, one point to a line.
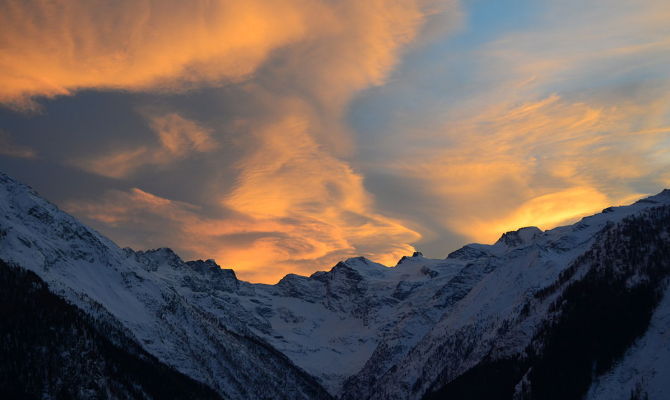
<point>366,331</point>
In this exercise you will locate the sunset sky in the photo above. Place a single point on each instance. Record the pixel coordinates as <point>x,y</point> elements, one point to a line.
<point>282,136</point>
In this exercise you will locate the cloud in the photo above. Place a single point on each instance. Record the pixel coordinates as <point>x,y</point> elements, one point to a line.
<point>58,47</point>
<point>262,246</point>
<point>292,66</point>
<point>545,162</point>
<point>294,208</point>
<point>539,124</point>
<point>11,149</point>
<point>536,125</point>
<point>545,211</point>
<point>316,200</point>
<point>177,138</point>
<point>54,48</point>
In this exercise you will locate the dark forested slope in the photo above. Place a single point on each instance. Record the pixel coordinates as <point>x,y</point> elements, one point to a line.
<point>51,349</point>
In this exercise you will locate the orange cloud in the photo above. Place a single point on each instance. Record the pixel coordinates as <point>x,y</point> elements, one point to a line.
<point>57,47</point>
<point>53,48</point>
<point>554,123</point>
<point>295,184</point>
<point>546,211</point>
<point>177,138</point>
<point>544,163</point>
<point>270,247</point>
<point>317,199</point>
<point>297,204</point>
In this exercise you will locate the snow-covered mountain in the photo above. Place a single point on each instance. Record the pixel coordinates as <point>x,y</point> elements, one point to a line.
<point>423,328</point>
<point>50,349</point>
<point>185,314</point>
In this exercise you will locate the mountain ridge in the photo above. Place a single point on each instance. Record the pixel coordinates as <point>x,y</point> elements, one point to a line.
<point>360,330</point>
<point>92,363</point>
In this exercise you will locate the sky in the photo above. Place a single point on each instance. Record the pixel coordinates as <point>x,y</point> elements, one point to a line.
<point>283,136</point>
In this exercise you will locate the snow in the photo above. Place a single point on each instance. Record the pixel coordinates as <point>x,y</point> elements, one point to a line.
<point>349,327</point>
<point>154,295</point>
<point>520,263</point>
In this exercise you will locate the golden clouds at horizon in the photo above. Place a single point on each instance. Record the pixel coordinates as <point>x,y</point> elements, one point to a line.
<point>558,120</point>
<point>295,208</point>
<point>548,162</point>
<point>545,211</point>
<point>288,242</point>
<point>291,178</point>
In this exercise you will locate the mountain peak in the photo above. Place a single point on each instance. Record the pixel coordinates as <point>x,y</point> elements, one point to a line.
<point>520,236</point>
<point>162,255</point>
<point>415,255</point>
<point>661,197</point>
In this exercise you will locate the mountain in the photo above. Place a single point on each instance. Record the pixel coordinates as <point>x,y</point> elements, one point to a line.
<point>184,314</point>
<point>575,311</point>
<point>52,347</point>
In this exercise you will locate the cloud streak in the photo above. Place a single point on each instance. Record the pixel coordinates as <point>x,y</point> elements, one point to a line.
<point>262,244</point>
<point>177,139</point>
<point>317,201</point>
<point>11,149</point>
<point>543,163</point>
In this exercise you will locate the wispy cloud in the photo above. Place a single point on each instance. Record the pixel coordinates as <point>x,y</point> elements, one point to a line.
<point>263,241</point>
<point>560,118</point>
<point>11,149</point>
<point>55,48</point>
<point>316,201</point>
<point>177,138</point>
<point>544,163</point>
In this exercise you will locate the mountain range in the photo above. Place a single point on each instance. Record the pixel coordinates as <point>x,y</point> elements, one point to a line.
<point>579,311</point>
